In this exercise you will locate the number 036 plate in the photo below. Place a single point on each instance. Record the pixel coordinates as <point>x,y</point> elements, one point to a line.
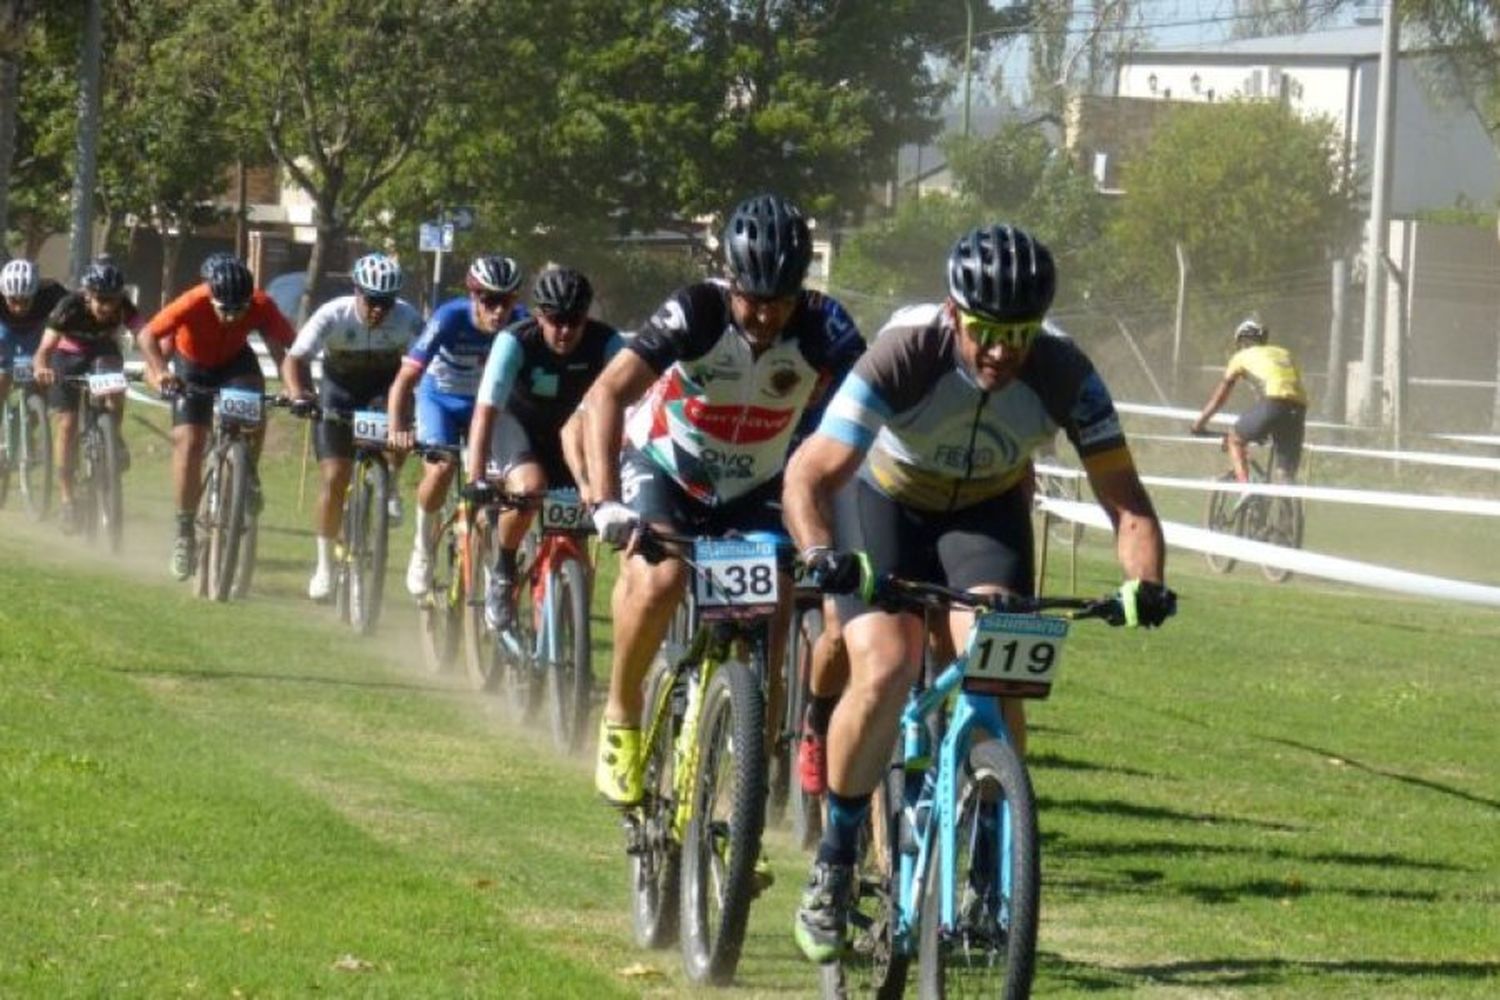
<point>1015,655</point>
<point>735,573</point>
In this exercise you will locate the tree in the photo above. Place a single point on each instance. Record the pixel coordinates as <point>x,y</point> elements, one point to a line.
<point>41,169</point>
<point>15,18</point>
<point>1261,18</point>
<point>1250,189</point>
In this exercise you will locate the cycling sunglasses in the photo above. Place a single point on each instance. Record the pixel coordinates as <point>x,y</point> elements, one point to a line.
<point>988,333</point>
<point>497,300</point>
<point>232,311</point>
<point>564,318</point>
<point>379,301</point>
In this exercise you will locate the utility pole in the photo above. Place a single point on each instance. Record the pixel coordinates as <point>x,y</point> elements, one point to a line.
<point>1378,235</point>
<point>1179,321</point>
<point>1333,392</point>
<point>81,239</point>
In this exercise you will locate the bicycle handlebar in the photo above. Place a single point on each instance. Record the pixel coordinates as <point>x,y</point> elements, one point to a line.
<point>913,593</point>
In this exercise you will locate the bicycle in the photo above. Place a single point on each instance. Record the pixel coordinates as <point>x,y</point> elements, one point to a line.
<point>787,796</point>
<point>227,521</point>
<point>1256,516</point>
<point>25,442</point>
<point>694,841</point>
<point>447,610</point>
<point>98,500</point>
<point>360,558</point>
<point>952,869</point>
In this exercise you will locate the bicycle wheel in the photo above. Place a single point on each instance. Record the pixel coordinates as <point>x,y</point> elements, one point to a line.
<point>655,857</point>
<point>228,518</point>
<point>36,471</point>
<point>109,502</point>
<point>1282,526</point>
<point>990,949</point>
<point>88,468</point>
<point>10,443</point>
<point>474,570</point>
<point>367,537</point>
<point>442,607</point>
<point>1221,518</point>
<point>722,843</point>
<point>876,962</point>
<point>244,569</point>
<point>806,810</point>
<point>570,678</point>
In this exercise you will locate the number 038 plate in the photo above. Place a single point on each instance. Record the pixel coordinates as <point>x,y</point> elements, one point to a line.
<point>735,573</point>
<point>1016,656</point>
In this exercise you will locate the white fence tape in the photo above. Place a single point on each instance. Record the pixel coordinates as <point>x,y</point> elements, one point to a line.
<point>1412,457</point>
<point>1366,498</point>
<point>1307,563</point>
<point>1490,439</point>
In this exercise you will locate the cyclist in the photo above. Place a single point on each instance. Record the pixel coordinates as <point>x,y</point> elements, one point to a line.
<point>730,367</point>
<point>1280,413</point>
<point>442,369</point>
<point>361,339</point>
<point>209,327</point>
<point>936,426</point>
<point>25,303</point>
<point>83,335</point>
<point>536,375</point>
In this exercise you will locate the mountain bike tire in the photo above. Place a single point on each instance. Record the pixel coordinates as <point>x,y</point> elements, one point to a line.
<point>229,519</point>
<point>109,501</point>
<point>1283,526</point>
<point>440,611</point>
<point>720,851</point>
<point>806,810</point>
<point>991,950</point>
<point>87,469</point>
<point>368,539</point>
<point>10,443</point>
<point>875,964</point>
<point>655,857</point>
<point>35,479</point>
<point>570,679</point>
<point>1220,517</point>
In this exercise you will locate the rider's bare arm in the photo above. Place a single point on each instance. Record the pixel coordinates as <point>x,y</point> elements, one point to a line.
<point>398,404</point>
<point>622,382</point>
<point>1219,398</point>
<point>481,425</point>
<point>819,467</point>
<point>41,360</point>
<point>1139,543</point>
<point>572,435</point>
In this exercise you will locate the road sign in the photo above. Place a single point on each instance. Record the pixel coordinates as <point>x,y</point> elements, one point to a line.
<point>435,237</point>
<point>462,218</point>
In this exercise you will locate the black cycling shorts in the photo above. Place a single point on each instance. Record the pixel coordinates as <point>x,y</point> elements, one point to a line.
<point>334,438</point>
<point>1283,421</point>
<point>651,492</point>
<point>64,396</point>
<point>242,371</point>
<point>985,544</point>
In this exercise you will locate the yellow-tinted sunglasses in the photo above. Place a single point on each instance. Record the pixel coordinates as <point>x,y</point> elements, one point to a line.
<point>987,333</point>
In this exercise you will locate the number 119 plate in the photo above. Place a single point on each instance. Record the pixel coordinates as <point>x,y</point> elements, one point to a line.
<point>735,573</point>
<point>1016,656</point>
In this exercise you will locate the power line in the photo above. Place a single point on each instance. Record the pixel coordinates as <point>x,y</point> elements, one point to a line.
<point>1327,6</point>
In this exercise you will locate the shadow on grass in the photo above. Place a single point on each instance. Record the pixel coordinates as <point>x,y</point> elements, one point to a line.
<point>1250,972</point>
<point>1177,848</point>
<point>1057,762</point>
<point>1456,793</point>
<point>247,675</point>
<point>1132,810</point>
<point>1135,881</point>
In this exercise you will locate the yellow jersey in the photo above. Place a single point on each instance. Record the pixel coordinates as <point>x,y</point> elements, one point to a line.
<point>1272,370</point>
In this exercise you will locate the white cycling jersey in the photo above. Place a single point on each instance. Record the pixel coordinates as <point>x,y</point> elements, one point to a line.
<point>352,351</point>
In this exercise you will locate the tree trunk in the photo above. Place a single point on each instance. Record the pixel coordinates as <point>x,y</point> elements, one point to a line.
<point>329,232</point>
<point>10,99</point>
<point>171,252</point>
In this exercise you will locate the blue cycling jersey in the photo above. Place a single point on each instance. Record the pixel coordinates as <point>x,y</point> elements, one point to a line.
<point>451,350</point>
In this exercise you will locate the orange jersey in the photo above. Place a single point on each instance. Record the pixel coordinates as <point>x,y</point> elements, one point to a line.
<point>206,341</point>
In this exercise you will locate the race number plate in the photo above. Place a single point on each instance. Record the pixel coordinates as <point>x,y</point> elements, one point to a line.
<point>1016,656</point>
<point>735,573</point>
<point>239,406</point>
<point>20,371</point>
<point>562,510</point>
<point>370,427</point>
<point>107,383</point>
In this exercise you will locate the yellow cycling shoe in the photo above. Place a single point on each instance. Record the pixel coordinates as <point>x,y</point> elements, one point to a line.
<point>618,775</point>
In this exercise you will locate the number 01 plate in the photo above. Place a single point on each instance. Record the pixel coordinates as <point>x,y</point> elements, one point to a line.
<point>1016,656</point>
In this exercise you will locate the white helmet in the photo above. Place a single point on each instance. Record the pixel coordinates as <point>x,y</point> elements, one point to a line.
<point>19,279</point>
<point>377,274</point>
<point>494,273</point>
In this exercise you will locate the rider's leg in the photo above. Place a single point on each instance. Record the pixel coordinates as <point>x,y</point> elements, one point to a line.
<point>334,473</point>
<point>65,442</point>
<point>1238,458</point>
<point>828,675</point>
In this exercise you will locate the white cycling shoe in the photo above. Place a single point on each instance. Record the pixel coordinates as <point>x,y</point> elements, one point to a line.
<point>419,572</point>
<point>320,587</point>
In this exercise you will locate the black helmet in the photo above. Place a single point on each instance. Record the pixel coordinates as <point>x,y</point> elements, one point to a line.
<point>1002,273</point>
<point>213,260</point>
<point>102,278</point>
<point>563,291</point>
<point>768,246</point>
<point>1251,331</point>
<point>230,284</point>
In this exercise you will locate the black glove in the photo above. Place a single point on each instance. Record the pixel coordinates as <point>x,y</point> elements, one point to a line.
<point>303,406</point>
<point>1146,604</point>
<point>478,492</point>
<point>835,572</point>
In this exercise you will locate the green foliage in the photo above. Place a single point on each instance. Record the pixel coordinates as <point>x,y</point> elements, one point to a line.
<point>41,172</point>
<point>1462,35</point>
<point>1251,190</point>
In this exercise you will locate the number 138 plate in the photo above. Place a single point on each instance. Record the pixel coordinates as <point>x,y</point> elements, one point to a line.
<point>1015,655</point>
<point>735,573</point>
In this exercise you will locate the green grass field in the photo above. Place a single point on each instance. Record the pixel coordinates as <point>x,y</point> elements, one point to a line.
<point>1290,791</point>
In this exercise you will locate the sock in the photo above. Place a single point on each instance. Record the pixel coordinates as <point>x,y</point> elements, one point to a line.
<point>325,554</point>
<point>426,528</point>
<point>819,712</point>
<point>846,817</point>
<point>505,565</point>
<point>184,522</point>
